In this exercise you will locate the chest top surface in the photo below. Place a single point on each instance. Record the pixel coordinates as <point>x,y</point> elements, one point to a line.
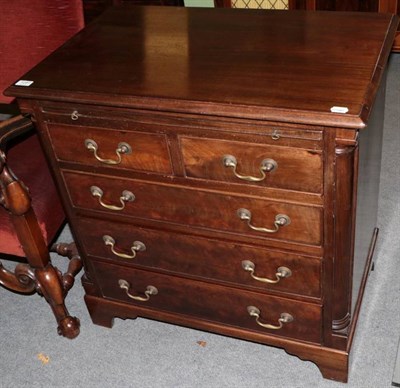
<point>272,65</point>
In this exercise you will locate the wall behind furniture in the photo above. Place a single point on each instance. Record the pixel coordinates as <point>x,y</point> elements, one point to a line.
<point>199,3</point>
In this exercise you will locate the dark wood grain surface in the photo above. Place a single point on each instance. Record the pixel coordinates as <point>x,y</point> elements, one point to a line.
<point>293,68</point>
<point>161,79</point>
<point>218,305</point>
<point>196,208</point>
<point>203,258</point>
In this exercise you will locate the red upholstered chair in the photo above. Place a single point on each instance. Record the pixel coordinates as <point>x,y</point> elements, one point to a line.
<point>31,218</point>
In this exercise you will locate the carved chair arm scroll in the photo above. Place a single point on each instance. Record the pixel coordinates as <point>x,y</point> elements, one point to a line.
<point>13,194</point>
<point>11,128</point>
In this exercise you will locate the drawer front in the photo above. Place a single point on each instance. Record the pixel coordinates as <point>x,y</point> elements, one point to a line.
<point>197,208</point>
<point>105,147</point>
<point>209,302</point>
<point>256,164</point>
<point>202,258</point>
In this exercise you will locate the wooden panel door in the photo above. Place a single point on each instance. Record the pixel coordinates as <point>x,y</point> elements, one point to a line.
<point>348,5</point>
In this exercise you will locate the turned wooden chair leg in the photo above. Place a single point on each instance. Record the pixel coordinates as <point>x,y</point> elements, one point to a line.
<point>75,262</point>
<point>40,275</point>
<point>49,284</point>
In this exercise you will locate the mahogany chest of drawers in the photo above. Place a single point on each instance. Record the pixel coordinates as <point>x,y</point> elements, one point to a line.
<point>220,168</point>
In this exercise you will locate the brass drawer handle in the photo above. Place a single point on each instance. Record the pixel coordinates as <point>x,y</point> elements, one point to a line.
<point>137,246</point>
<point>280,221</point>
<point>150,290</point>
<point>126,196</point>
<point>255,312</point>
<point>267,165</point>
<point>122,149</point>
<point>281,272</point>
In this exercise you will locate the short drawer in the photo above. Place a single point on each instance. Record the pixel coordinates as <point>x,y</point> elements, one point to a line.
<point>102,147</point>
<point>256,164</point>
<point>197,208</point>
<point>203,258</point>
<point>210,302</point>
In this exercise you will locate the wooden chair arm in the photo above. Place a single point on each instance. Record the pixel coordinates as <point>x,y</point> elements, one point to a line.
<point>12,128</point>
<point>13,194</point>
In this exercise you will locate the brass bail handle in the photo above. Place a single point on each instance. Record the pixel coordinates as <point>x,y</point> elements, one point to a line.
<point>122,149</point>
<point>137,246</point>
<point>284,318</point>
<point>281,220</point>
<point>267,165</point>
<point>150,290</point>
<point>126,196</point>
<point>281,273</point>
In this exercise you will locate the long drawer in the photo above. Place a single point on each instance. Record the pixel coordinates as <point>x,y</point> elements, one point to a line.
<point>203,258</point>
<point>182,205</point>
<point>245,309</point>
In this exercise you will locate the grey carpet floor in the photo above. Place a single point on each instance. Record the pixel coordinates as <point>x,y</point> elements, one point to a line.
<point>145,353</point>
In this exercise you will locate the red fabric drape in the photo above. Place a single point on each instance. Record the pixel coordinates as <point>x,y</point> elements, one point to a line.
<point>30,30</point>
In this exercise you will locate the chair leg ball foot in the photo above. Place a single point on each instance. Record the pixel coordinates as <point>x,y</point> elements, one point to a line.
<point>69,327</point>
